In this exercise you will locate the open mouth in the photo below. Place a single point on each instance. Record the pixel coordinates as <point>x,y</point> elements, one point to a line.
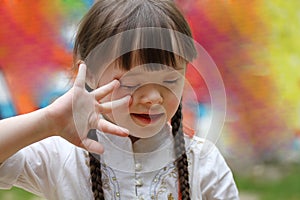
<point>147,118</point>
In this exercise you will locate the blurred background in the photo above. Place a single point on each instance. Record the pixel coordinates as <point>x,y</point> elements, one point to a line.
<point>254,44</point>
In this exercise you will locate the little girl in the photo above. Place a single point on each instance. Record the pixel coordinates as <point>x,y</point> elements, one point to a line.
<point>117,133</point>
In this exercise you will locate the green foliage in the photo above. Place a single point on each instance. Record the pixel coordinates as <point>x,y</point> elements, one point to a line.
<point>17,194</point>
<point>287,187</point>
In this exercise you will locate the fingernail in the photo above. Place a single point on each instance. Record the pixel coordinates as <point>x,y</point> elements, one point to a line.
<point>82,65</point>
<point>80,62</point>
<point>117,82</point>
<point>125,131</point>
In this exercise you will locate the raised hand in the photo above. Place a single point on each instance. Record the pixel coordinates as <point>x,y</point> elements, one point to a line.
<point>78,111</point>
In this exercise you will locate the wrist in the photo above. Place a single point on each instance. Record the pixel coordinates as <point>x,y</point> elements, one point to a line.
<point>50,121</point>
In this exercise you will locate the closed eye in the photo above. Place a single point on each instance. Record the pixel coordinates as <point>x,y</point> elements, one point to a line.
<point>171,81</point>
<point>130,87</point>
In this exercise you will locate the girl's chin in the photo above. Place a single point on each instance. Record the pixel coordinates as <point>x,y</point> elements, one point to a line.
<point>146,131</point>
<point>143,134</point>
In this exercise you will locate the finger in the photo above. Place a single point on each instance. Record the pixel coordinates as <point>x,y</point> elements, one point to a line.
<point>92,146</point>
<point>80,79</point>
<point>105,89</point>
<point>107,107</point>
<point>108,127</point>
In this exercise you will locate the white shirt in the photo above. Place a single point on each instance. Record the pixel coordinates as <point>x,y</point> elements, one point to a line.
<point>55,169</point>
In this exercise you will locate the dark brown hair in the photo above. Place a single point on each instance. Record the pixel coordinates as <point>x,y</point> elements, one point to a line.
<point>107,18</point>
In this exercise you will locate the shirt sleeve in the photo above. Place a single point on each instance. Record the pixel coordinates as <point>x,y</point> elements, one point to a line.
<point>10,170</point>
<point>217,182</point>
<point>32,168</point>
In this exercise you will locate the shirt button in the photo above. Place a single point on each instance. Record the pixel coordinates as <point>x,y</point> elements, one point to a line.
<point>138,166</point>
<point>139,182</point>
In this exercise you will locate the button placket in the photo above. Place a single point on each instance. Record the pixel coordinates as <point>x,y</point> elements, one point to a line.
<point>138,180</point>
<point>138,185</point>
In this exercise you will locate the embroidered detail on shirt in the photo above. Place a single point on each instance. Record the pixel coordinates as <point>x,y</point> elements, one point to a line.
<point>110,182</point>
<point>164,181</point>
<point>170,196</point>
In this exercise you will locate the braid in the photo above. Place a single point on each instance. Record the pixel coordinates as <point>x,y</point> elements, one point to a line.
<point>95,169</point>
<point>181,162</point>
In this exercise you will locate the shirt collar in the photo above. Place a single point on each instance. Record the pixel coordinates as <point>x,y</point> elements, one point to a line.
<point>152,153</point>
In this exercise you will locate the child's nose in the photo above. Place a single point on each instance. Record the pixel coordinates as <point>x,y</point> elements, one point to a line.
<point>150,94</point>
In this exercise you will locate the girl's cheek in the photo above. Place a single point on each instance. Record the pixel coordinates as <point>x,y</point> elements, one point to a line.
<point>119,93</point>
<point>172,104</point>
<point>115,95</point>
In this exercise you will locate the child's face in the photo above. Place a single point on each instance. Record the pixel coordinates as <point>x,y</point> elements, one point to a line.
<point>155,97</point>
